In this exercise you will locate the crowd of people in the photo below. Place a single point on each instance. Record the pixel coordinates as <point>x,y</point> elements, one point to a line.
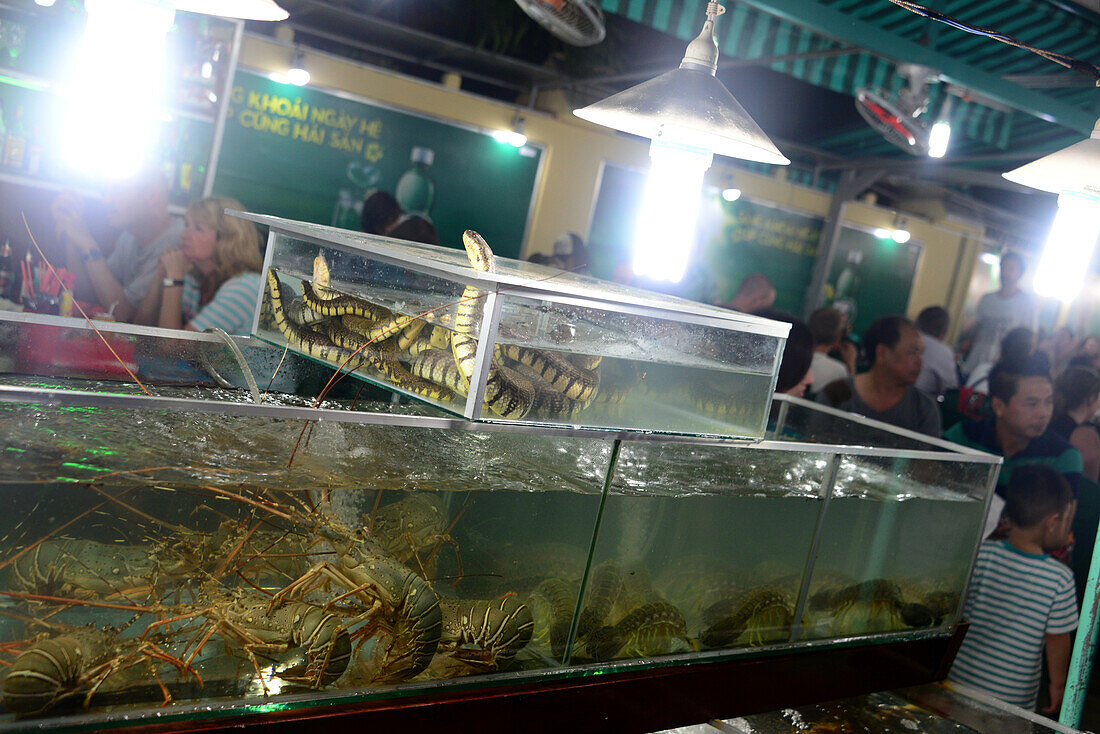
<point>1030,398</point>
<point>195,273</point>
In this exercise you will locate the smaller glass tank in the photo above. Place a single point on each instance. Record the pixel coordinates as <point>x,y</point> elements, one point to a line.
<point>536,345</point>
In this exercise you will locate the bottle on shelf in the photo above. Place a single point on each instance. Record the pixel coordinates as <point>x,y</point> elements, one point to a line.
<point>34,151</point>
<point>415,190</point>
<point>3,132</point>
<point>186,165</point>
<point>15,147</point>
<point>847,286</point>
<point>7,270</point>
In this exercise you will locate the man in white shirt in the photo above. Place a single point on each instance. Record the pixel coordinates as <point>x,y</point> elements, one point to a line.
<point>1000,312</point>
<point>938,372</point>
<point>827,326</point>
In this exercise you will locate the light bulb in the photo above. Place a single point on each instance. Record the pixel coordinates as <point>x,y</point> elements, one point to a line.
<point>510,137</point>
<point>670,208</point>
<point>883,234</point>
<point>990,259</point>
<point>1068,251</point>
<point>939,138</point>
<point>901,236</point>
<point>731,194</point>
<point>105,73</point>
<point>297,76</point>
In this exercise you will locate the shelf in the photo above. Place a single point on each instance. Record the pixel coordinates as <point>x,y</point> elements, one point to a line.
<point>23,79</point>
<point>46,185</point>
<point>40,84</point>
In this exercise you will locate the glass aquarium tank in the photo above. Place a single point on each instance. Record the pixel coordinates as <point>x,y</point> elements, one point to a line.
<point>494,339</point>
<point>192,552</point>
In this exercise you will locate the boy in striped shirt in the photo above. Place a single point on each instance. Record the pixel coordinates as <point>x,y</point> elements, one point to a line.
<point>1021,600</point>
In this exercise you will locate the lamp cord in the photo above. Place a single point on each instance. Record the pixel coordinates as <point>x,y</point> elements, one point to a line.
<point>1067,61</point>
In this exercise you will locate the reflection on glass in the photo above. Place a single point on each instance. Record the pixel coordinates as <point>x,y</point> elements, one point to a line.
<point>699,547</point>
<point>552,361</point>
<point>172,548</point>
<point>896,546</point>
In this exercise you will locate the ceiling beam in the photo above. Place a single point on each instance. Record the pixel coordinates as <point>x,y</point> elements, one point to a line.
<point>849,30</point>
<point>959,177</point>
<point>725,63</point>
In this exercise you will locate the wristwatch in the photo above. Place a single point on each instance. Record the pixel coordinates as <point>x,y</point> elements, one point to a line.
<point>172,283</point>
<point>93,254</point>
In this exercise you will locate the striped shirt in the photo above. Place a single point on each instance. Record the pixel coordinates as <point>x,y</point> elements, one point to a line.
<point>1014,600</point>
<point>231,308</point>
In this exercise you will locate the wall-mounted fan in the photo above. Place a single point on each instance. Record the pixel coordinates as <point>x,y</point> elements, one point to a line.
<point>577,22</point>
<point>896,120</point>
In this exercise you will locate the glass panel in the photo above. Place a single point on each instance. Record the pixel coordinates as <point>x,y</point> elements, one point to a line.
<point>807,424</point>
<point>167,527</point>
<point>377,321</point>
<point>70,350</point>
<point>508,271</point>
<point>896,547</point>
<point>631,371</point>
<point>699,545</point>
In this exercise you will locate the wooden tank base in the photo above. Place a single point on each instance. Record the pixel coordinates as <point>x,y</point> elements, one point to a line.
<point>635,701</point>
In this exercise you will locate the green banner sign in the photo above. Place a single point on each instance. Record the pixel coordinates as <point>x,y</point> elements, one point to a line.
<point>304,154</point>
<point>749,237</point>
<point>733,240</point>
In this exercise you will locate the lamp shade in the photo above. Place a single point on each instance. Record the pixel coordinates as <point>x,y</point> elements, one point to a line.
<point>244,9</point>
<point>1075,169</point>
<point>690,107</point>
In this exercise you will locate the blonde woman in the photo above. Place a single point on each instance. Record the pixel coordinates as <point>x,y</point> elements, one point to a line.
<point>214,279</point>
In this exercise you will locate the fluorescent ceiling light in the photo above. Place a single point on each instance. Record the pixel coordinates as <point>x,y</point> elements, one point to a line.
<point>1074,174</point>
<point>1075,169</point>
<point>688,106</point>
<point>244,9</point>
<point>939,138</point>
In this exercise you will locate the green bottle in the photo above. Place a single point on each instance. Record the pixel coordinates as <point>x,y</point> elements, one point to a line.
<point>847,286</point>
<point>415,191</point>
<point>15,147</point>
<point>3,132</point>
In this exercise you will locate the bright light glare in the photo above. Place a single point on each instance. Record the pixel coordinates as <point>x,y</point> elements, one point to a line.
<point>670,209</point>
<point>45,3</point>
<point>939,138</point>
<point>990,259</point>
<point>297,76</point>
<point>901,236</point>
<point>884,234</point>
<point>118,67</point>
<point>1068,251</point>
<point>731,194</point>
<point>510,137</point>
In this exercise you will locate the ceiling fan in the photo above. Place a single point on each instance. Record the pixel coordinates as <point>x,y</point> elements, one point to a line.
<point>577,22</point>
<point>896,119</point>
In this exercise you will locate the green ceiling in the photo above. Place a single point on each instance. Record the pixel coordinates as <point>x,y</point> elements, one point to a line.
<point>880,35</point>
